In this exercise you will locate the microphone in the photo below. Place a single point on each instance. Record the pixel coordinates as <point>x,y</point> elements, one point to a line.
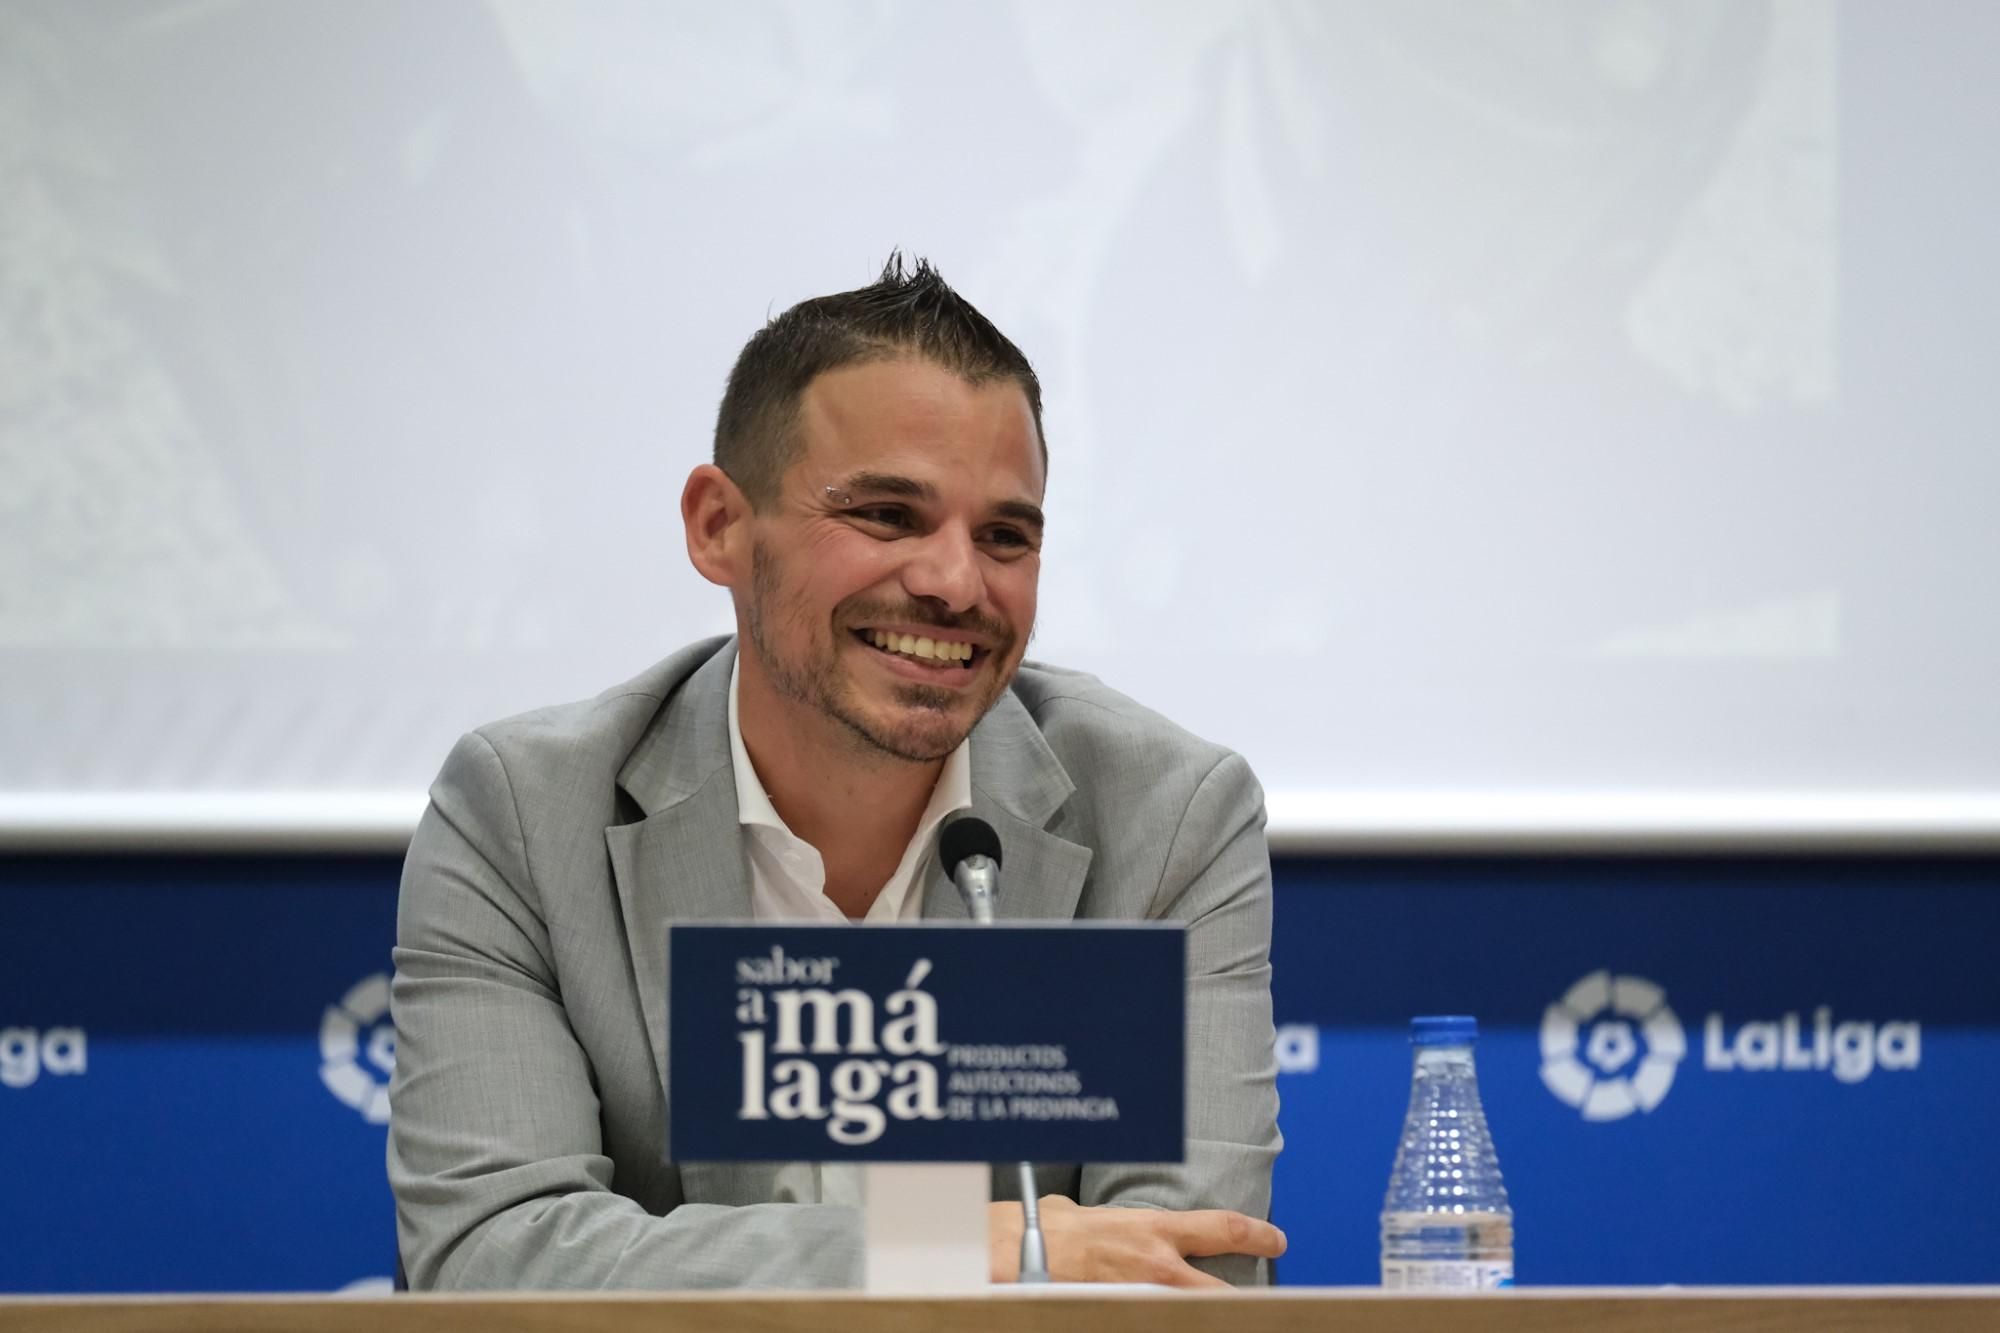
<point>970,851</point>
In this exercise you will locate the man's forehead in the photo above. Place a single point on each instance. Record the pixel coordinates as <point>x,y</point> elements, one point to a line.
<point>912,420</point>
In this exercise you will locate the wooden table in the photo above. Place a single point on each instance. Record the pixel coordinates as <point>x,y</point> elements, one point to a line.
<point>1282,1310</point>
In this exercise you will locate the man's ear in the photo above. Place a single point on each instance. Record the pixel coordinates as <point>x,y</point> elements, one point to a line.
<point>716,516</point>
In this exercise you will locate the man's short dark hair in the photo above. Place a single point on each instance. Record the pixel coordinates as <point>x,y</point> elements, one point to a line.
<point>913,313</point>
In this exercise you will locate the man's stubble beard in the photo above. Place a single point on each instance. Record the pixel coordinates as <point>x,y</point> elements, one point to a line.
<point>817,683</point>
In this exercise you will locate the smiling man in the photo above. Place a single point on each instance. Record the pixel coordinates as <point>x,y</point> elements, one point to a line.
<point>875,511</point>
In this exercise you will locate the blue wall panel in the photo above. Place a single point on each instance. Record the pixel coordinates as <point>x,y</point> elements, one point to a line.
<point>223,1129</point>
<point>1759,1175</point>
<point>199,1148</point>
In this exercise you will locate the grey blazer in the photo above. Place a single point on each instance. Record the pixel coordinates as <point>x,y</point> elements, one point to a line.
<point>526,1142</point>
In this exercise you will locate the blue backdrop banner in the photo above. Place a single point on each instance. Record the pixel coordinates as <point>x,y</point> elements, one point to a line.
<point>925,1043</point>
<point>196,1054</point>
<point>1697,1070</point>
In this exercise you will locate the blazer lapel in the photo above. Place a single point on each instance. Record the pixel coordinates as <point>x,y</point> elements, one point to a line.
<point>684,860</point>
<point>682,863</point>
<point>1018,786</point>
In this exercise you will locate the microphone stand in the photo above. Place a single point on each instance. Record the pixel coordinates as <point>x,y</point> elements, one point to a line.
<point>1034,1250</point>
<point>978,881</point>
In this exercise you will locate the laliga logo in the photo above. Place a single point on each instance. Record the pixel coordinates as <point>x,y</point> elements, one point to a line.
<point>1850,1051</point>
<point>1611,1008</point>
<point>1608,1008</point>
<point>365,1087</point>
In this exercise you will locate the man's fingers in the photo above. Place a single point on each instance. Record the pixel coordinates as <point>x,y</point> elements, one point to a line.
<point>1187,1275</point>
<point>1213,1231</point>
<point>1109,1244</point>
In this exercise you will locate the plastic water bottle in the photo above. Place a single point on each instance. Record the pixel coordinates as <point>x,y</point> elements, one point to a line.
<point>1446,1222</point>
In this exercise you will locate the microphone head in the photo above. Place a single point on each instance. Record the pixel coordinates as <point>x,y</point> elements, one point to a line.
<point>969,836</point>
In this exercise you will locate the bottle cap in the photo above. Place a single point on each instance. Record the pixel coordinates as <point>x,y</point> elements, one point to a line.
<point>1444,1030</point>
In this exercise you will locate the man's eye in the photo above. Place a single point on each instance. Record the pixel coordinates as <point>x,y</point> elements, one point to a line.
<point>885,516</point>
<point>1012,538</point>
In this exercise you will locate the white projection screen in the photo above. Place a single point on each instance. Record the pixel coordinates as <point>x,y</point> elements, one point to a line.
<point>1561,420</point>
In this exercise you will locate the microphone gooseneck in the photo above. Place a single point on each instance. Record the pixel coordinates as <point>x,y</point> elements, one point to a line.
<point>1034,1249</point>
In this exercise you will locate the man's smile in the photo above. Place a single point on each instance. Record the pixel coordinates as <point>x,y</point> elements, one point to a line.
<point>929,653</point>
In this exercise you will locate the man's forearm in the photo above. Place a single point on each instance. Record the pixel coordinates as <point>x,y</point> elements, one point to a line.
<point>595,1240</point>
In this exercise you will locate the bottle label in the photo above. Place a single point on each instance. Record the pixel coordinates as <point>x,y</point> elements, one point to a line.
<point>1445,1275</point>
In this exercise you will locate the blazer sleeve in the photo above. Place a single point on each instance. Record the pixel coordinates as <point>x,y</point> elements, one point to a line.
<point>495,1156</point>
<point>1217,880</point>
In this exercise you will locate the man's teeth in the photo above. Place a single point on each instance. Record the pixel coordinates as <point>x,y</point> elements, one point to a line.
<point>937,650</point>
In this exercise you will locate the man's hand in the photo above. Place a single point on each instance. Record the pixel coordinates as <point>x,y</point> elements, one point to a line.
<point>1128,1244</point>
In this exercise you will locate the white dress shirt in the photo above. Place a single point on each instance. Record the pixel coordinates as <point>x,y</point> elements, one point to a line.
<point>788,883</point>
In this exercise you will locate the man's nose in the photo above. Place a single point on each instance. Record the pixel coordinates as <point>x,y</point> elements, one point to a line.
<point>945,568</point>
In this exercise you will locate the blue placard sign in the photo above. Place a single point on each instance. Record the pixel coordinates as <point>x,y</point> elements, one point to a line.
<point>926,1043</point>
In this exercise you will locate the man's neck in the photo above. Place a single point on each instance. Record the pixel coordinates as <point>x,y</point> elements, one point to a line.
<point>858,808</point>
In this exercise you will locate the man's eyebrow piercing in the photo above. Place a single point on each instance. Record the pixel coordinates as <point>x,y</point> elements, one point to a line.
<point>837,496</point>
